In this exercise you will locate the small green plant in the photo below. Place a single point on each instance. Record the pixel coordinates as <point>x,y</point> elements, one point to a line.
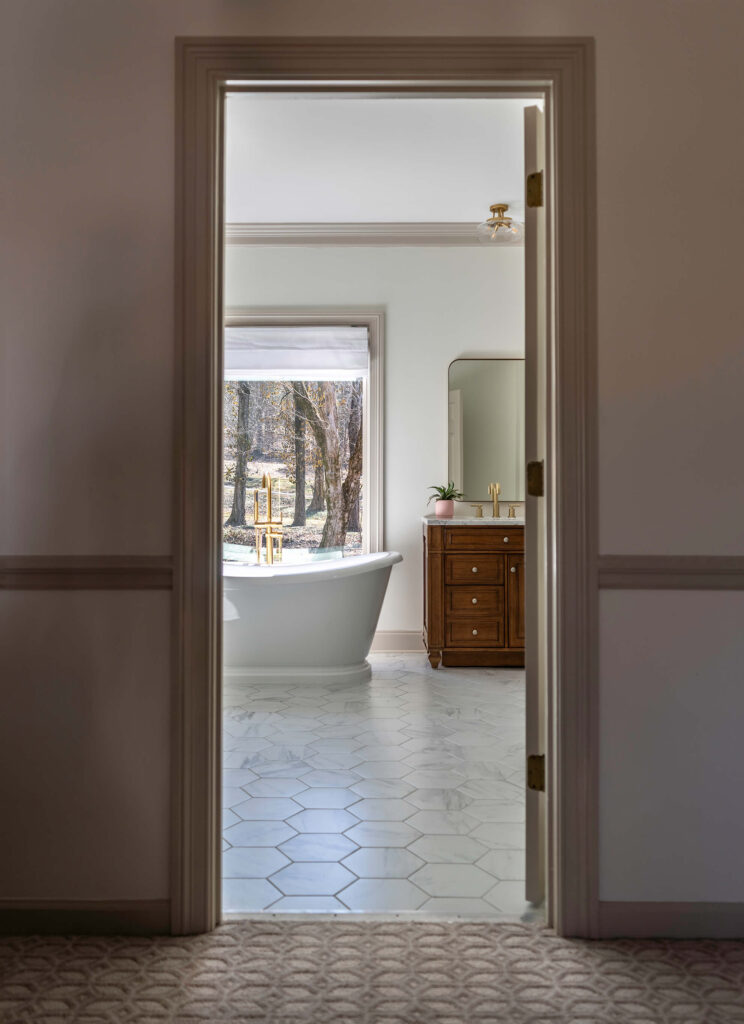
<point>445,492</point>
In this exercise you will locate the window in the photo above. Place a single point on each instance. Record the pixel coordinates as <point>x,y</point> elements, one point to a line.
<point>298,401</point>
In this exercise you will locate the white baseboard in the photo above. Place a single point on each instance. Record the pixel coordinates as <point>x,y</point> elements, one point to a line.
<point>671,920</point>
<point>391,641</point>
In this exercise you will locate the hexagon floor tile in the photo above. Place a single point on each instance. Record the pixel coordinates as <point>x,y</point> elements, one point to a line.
<point>379,789</point>
<point>252,861</point>
<point>259,833</point>
<point>400,795</point>
<point>383,862</point>
<point>322,820</point>
<point>319,879</point>
<point>247,894</point>
<point>383,833</point>
<point>506,865</point>
<point>452,880</point>
<point>266,808</point>
<point>377,810</point>
<point>449,849</point>
<point>325,846</point>
<point>315,797</point>
<point>382,895</point>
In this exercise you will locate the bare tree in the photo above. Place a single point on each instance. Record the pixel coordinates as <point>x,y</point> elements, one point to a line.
<point>354,429</point>
<point>321,412</point>
<point>242,449</point>
<point>300,515</point>
<point>317,501</point>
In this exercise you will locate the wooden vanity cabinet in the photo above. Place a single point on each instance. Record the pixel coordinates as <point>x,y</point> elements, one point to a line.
<point>474,594</point>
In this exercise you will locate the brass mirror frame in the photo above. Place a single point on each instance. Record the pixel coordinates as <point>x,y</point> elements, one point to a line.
<point>482,359</point>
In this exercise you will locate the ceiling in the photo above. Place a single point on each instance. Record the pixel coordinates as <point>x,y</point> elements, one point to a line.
<point>323,159</point>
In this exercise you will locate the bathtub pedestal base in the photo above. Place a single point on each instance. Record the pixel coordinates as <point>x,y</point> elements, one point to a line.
<point>288,674</point>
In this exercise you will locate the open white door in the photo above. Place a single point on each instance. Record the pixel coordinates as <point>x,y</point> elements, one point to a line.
<point>536,662</point>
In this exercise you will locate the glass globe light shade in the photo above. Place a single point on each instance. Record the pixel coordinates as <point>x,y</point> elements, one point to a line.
<point>500,229</point>
<point>500,234</point>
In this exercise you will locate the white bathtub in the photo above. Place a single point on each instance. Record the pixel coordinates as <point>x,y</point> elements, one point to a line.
<point>297,621</point>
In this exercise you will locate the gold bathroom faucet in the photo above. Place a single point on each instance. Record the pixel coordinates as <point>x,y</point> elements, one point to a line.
<point>494,490</point>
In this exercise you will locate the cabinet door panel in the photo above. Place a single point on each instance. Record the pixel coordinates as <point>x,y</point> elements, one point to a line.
<point>515,599</point>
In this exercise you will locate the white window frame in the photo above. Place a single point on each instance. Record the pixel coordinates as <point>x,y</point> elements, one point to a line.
<point>373,536</point>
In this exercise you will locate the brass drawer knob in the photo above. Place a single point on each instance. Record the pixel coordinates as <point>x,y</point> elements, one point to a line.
<point>513,569</point>
<point>475,568</point>
<point>475,600</point>
<point>475,632</point>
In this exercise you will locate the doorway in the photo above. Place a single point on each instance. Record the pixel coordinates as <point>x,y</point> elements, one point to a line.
<point>403,793</point>
<point>572,896</point>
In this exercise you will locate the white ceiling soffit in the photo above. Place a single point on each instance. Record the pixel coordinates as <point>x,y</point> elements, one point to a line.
<point>320,159</point>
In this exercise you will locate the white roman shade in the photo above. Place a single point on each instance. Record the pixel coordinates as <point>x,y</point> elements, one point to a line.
<point>296,353</point>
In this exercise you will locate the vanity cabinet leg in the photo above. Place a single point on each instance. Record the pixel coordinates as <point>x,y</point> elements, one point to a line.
<point>434,658</point>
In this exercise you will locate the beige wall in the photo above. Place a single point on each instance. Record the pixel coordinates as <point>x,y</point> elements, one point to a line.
<point>438,305</point>
<point>87,363</point>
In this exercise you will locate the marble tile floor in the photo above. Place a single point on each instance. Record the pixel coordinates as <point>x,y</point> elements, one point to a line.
<point>401,795</point>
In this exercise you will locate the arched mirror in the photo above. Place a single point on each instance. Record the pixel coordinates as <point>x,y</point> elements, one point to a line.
<point>486,427</point>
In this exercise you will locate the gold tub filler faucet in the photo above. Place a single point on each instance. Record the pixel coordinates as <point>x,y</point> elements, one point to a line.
<point>269,527</point>
<point>494,490</point>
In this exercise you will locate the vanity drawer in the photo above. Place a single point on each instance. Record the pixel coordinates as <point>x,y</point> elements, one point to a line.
<point>484,538</point>
<point>474,602</point>
<point>475,633</point>
<point>483,569</point>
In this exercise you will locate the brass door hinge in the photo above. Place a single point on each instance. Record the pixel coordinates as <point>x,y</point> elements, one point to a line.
<point>535,189</point>
<point>536,479</point>
<point>536,772</point>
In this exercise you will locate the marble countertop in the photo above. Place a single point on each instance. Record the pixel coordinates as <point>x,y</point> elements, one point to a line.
<point>473,521</point>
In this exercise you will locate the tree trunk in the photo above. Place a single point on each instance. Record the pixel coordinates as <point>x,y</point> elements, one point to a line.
<point>300,516</point>
<point>352,483</point>
<point>322,415</point>
<point>260,438</point>
<point>242,446</point>
<point>354,433</point>
<point>317,502</point>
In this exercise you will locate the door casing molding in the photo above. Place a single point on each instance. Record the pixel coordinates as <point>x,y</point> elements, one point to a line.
<point>561,70</point>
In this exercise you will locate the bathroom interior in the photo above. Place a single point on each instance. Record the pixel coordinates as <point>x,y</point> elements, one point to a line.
<point>374,632</point>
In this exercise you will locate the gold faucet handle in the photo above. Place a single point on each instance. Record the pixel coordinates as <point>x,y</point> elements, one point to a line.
<point>478,510</point>
<point>512,511</point>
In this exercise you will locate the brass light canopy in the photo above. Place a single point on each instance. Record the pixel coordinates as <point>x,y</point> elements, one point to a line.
<point>499,229</point>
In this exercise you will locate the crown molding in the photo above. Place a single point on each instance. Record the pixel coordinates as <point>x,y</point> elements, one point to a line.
<point>438,233</point>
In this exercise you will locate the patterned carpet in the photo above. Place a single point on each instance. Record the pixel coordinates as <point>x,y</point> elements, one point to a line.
<point>369,972</point>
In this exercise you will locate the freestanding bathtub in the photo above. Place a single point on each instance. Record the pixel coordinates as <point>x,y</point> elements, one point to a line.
<point>303,621</point>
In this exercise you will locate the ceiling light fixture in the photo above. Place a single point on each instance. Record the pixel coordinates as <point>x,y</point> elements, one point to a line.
<point>500,229</point>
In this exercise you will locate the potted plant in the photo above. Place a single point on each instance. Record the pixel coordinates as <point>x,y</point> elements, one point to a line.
<point>446,496</point>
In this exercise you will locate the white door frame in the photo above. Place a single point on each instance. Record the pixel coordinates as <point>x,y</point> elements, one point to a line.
<point>562,71</point>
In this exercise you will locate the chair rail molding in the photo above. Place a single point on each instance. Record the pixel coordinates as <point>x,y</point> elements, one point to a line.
<point>671,572</point>
<point>559,70</point>
<point>86,572</point>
